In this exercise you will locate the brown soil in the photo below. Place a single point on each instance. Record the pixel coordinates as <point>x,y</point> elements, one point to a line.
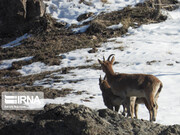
<point>73,119</point>
<point>49,39</point>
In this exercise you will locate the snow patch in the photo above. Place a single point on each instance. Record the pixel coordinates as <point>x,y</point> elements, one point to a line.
<point>81,29</point>
<point>36,68</point>
<point>8,63</point>
<point>115,26</point>
<point>16,42</point>
<point>150,49</point>
<point>69,10</point>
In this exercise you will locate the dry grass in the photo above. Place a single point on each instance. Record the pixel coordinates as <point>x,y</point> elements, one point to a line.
<point>104,1</point>
<point>48,93</point>
<point>47,43</point>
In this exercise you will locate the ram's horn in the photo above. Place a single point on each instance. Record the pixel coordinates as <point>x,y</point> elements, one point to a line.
<point>103,58</point>
<point>110,57</point>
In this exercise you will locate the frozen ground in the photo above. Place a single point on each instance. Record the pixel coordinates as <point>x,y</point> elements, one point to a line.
<point>8,63</point>
<point>69,10</point>
<point>16,42</point>
<point>152,49</point>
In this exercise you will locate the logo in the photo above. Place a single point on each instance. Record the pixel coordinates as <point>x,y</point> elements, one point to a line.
<point>22,100</point>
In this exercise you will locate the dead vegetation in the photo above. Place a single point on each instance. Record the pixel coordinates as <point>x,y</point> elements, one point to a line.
<point>50,38</point>
<point>13,78</point>
<point>48,93</point>
<point>53,38</point>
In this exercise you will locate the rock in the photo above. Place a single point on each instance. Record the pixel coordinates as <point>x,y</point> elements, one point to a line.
<point>76,119</point>
<point>16,14</point>
<point>96,27</point>
<point>35,8</point>
<point>84,16</point>
<point>63,56</point>
<point>93,50</point>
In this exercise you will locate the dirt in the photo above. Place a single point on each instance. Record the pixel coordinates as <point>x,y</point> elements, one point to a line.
<point>73,119</point>
<point>48,93</point>
<point>50,38</point>
<point>53,38</point>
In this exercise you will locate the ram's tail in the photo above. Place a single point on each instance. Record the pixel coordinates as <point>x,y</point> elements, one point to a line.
<point>158,92</point>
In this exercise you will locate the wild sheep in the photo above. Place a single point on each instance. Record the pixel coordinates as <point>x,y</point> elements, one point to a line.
<point>110,100</point>
<point>132,85</point>
<point>130,106</point>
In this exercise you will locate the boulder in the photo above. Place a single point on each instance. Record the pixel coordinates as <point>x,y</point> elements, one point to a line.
<point>35,8</point>
<point>16,14</point>
<point>73,119</point>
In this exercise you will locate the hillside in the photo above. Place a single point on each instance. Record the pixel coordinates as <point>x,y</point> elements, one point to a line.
<point>57,54</point>
<point>73,119</point>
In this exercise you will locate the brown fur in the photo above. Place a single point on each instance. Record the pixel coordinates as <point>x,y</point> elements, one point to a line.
<point>110,100</point>
<point>129,85</point>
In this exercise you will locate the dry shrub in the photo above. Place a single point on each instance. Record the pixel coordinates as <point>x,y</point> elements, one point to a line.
<point>104,1</point>
<point>96,27</point>
<point>126,22</point>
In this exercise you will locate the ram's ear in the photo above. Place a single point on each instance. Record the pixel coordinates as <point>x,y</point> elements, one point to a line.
<point>104,58</point>
<point>105,77</point>
<point>100,61</point>
<point>112,60</point>
<point>100,79</point>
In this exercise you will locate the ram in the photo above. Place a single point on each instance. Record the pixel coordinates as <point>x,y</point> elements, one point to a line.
<point>110,100</point>
<point>133,85</point>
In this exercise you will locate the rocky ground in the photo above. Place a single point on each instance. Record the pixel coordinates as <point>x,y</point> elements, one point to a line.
<point>48,39</point>
<point>73,119</point>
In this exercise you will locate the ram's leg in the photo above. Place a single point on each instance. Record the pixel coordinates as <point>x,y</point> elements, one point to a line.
<point>128,108</point>
<point>110,107</point>
<point>152,107</point>
<point>117,108</point>
<point>136,110</point>
<point>124,109</point>
<point>132,106</point>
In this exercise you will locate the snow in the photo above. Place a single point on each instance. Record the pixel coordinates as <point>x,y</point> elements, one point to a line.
<point>69,10</point>
<point>81,29</point>
<point>8,63</point>
<point>71,59</point>
<point>15,42</point>
<point>151,49</point>
<point>36,68</point>
<point>115,26</point>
